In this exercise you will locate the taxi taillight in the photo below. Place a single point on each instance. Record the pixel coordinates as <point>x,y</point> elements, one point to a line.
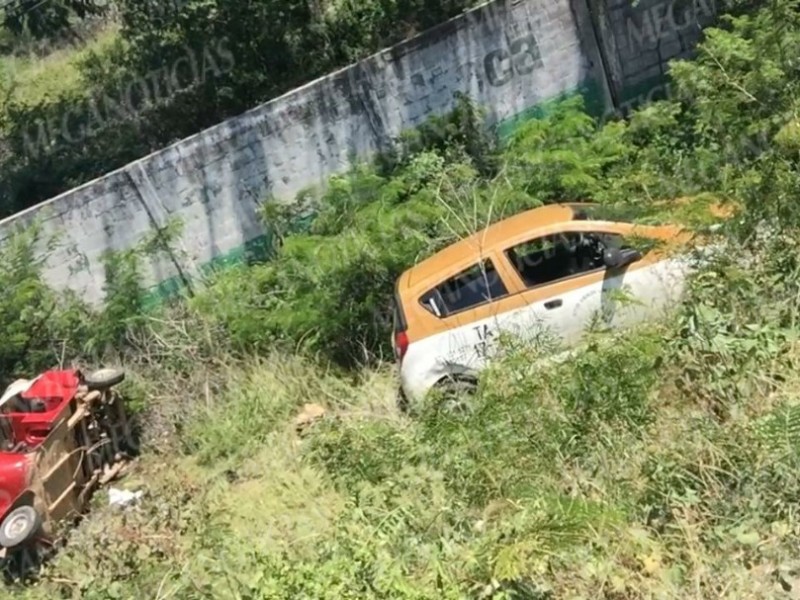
<point>400,344</point>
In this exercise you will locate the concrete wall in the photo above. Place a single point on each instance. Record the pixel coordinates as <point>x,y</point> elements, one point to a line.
<point>509,55</point>
<point>639,41</point>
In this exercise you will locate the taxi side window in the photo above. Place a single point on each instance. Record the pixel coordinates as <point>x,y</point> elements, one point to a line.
<point>551,258</point>
<point>476,285</point>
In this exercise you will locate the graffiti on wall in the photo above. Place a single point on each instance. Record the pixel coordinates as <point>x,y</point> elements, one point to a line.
<point>521,57</point>
<point>647,27</point>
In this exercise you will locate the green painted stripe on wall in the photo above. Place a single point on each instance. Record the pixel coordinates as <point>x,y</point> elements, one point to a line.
<point>258,249</point>
<point>593,98</point>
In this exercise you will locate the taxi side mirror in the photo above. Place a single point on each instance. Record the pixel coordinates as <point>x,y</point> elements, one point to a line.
<point>615,258</point>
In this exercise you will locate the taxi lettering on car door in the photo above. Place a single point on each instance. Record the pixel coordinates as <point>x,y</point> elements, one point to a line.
<point>485,337</point>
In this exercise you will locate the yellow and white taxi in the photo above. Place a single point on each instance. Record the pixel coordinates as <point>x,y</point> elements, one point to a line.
<point>553,269</point>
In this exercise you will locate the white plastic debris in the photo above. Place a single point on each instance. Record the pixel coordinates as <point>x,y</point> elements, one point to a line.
<point>123,498</point>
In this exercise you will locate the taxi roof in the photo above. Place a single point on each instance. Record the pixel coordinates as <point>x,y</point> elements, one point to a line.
<point>488,238</point>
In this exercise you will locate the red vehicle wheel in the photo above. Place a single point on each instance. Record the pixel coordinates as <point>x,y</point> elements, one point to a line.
<point>19,526</point>
<point>103,379</point>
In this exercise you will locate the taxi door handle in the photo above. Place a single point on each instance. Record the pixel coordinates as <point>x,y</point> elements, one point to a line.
<point>553,304</point>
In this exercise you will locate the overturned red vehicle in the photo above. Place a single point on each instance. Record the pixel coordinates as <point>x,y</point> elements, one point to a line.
<point>61,435</point>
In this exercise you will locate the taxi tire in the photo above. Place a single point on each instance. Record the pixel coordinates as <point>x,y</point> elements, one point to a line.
<point>457,392</point>
<point>403,405</point>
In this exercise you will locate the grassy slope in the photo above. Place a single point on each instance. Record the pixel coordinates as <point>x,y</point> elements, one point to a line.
<point>428,508</point>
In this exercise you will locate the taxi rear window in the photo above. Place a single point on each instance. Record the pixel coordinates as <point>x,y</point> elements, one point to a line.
<point>474,286</point>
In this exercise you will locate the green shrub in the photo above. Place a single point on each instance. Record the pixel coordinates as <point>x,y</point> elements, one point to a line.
<point>355,454</point>
<point>528,421</point>
<point>254,407</point>
<point>41,328</point>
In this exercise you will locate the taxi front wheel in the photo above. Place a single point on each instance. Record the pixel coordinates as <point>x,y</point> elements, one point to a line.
<point>402,400</point>
<point>455,394</point>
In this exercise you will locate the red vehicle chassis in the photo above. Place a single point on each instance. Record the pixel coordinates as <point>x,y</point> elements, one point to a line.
<point>61,435</point>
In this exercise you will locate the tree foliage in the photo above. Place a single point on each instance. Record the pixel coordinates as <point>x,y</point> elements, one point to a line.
<point>48,19</point>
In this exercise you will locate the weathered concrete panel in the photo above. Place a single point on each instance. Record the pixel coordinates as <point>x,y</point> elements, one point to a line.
<point>640,40</point>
